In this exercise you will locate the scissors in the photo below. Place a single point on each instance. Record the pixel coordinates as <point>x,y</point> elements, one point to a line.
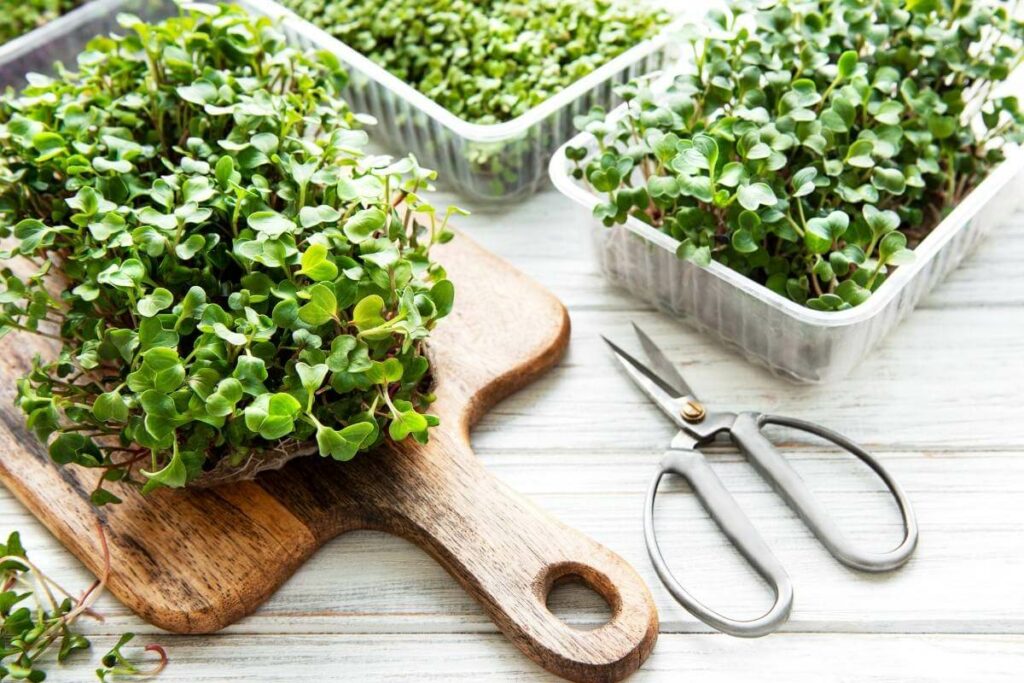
<point>698,427</point>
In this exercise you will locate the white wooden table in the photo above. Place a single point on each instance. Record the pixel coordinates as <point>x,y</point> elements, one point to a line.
<point>940,402</point>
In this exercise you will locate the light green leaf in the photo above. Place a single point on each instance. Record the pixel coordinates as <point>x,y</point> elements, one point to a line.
<point>752,197</point>
<point>222,401</point>
<point>200,92</point>
<point>190,247</point>
<point>270,223</point>
<point>161,370</point>
<point>311,377</point>
<point>880,222</point>
<point>316,265</point>
<point>110,407</point>
<point>847,64</point>
<point>405,422</point>
<point>368,313</point>
<point>342,444</point>
<point>322,306</point>
<point>197,190</point>
<point>150,216</point>
<point>272,416</point>
<point>363,224</point>
<point>443,294</point>
<point>889,179</point>
<point>743,241</point>
<point>859,154</point>
<point>229,335</point>
<point>892,249</point>
<point>154,302</point>
<point>174,475</point>
<point>312,216</point>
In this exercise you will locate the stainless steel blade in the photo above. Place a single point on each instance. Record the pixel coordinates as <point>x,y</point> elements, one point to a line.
<point>663,394</point>
<point>664,367</point>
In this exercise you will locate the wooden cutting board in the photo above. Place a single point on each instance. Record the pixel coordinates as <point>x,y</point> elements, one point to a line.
<point>196,561</point>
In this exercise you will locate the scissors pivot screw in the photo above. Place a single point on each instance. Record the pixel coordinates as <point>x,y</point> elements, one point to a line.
<point>693,411</point>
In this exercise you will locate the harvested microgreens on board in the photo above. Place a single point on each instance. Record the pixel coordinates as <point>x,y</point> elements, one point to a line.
<point>229,278</point>
<point>486,61</point>
<point>18,17</point>
<point>814,141</point>
<point>38,616</point>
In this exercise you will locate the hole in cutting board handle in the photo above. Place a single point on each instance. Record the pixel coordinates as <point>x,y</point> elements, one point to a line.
<point>580,597</point>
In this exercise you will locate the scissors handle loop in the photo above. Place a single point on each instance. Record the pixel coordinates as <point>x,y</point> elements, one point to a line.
<point>723,508</point>
<point>746,433</point>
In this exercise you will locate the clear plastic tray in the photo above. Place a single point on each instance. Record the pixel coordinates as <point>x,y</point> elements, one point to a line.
<point>791,340</point>
<point>498,162</point>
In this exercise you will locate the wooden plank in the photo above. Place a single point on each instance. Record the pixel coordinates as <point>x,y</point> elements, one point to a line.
<point>484,658</point>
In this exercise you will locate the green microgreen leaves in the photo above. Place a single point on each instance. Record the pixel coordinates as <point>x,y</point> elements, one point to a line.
<point>238,276</point>
<point>317,265</point>
<point>822,234</point>
<point>311,378</point>
<point>272,416</point>
<point>322,306</point>
<point>270,223</point>
<point>812,144</point>
<point>755,195</point>
<point>363,224</point>
<point>487,62</point>
<point>343,444</point>
<point>154,302</point>
<point>406,421</point>
<point>38,621</point>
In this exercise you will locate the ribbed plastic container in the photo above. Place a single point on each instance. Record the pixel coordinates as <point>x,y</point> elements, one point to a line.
<point>499,162</point>
<point>791,340</point>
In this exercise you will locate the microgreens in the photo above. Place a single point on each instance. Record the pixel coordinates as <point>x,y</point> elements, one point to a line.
<point>486,61</point>
<point>814,140</point>
<point>23,16</point>
<point>238,278</point>
<point>31,628</point>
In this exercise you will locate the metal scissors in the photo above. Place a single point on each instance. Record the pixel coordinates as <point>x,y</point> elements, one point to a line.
<point>698,427</point>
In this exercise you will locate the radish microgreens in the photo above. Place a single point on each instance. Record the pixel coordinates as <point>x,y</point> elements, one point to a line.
<point>486,61</point>
<point>814,140</point>
<point>238,277</point>
<point>37,616</point>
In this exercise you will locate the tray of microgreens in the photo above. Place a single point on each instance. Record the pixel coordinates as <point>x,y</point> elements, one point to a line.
<point>226,279</point>
<point>482,91</point>
<point>816,169</point>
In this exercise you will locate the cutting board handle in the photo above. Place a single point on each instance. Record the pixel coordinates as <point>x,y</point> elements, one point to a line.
<point>508,554</point>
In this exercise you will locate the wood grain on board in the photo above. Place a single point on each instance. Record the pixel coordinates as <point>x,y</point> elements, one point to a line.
<point>195,561</point>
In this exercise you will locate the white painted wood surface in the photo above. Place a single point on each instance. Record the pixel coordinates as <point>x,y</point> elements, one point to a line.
<point>940,402</point>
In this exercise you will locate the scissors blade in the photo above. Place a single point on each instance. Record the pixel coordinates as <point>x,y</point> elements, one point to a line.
<point>663,365</point>
<point>664,395</point>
